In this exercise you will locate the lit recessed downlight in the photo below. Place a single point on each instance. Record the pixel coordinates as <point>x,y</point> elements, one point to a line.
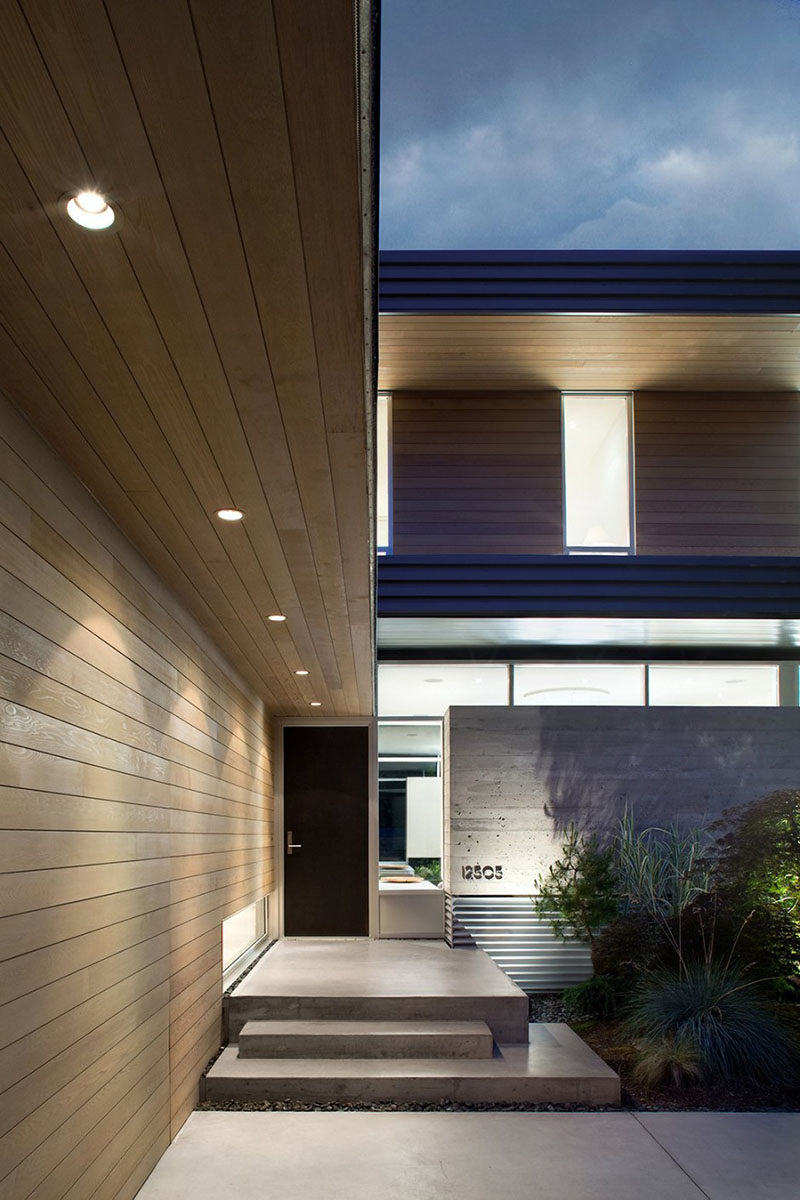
<point>301,672</point>
<point>229,514</point>
<point>316,704</point>
<point>276,617</point>
<point>91,210</point>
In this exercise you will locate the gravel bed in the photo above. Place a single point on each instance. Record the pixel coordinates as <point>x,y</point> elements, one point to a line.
<point>547,1006</point>
<point>391,1106</point>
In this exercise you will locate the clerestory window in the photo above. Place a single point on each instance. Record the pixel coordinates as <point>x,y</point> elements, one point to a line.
<point>598,472</point>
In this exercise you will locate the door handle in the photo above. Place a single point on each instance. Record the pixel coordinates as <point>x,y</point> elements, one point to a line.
<point>290,845</point>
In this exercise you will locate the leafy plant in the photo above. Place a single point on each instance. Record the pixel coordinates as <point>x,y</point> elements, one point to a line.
<point>758,850</point>
<point>428,868</point>
<point>712,1012</point>
<point>756,863</point>
<point>579,893</point>
<point>595,997</point>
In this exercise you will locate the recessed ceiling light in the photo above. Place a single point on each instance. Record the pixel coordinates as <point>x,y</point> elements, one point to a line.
<point>316,703</point>
<point>276,617</point>
<point>229,514</point>
<point>91,210</point>
<point>301,672</point>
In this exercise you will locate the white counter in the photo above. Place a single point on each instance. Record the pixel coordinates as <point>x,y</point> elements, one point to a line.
<point>411,910</point>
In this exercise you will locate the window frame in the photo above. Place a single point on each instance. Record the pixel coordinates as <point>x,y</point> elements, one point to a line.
<point>592,551</point>
<point>381,549</point>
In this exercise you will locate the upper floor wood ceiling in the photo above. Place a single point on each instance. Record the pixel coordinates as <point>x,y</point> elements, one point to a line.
<point>209,349</point>
<point>592,352</point>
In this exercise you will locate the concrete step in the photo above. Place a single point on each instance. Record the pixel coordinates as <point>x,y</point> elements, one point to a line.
<point>555,1067</point>
<point>365,1039</point>
<point>506,1015</point>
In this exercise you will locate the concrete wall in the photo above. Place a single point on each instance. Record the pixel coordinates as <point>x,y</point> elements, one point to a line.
<point>135,814</point>
<point>516,777</point>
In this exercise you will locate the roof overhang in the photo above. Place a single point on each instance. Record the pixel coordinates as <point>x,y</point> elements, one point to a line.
<point>212,347</point>
<point>599,320</point>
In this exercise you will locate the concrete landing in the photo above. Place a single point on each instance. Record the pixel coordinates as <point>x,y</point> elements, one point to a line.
<point>379,981</point>
<point>555,1067</point>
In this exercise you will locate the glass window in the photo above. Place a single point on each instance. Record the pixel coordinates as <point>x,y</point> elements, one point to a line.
<point>597,473</point>
<point>240,931</point>
<point>579,683</point>
<point>428,689</point>
<point>737,684</point>
<point>409,793</point>
<point>383,485</point>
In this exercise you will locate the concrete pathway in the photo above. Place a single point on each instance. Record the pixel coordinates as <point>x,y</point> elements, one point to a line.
<point>472,1156</point>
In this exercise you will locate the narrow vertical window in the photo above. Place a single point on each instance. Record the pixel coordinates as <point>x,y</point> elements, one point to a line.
<point>383,497</point>
<point>597,473</point>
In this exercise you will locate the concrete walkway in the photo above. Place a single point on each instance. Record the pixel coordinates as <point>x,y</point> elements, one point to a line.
<point>472,1156</point>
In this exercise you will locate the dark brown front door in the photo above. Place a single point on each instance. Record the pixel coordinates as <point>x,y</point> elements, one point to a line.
<point>326,815</point>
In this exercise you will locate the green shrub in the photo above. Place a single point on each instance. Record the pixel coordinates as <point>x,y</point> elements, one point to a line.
<point>579,893</point>
<point>596,997</point>
<point>713,1010</point>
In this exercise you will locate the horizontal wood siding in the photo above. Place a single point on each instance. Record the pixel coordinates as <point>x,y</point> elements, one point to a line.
<point>476,472</point>
<point>716,472</point>
<point>135,809</point>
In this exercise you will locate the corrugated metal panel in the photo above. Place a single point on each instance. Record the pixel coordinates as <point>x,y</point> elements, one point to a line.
<point>589,281</point>
<point>558,585</point>
<point>522,944</point>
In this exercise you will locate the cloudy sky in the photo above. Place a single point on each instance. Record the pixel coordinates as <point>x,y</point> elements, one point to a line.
<point>513,124</point>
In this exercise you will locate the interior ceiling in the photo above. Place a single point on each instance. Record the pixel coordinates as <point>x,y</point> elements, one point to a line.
<point>596,353</point>
<point>208,350</point>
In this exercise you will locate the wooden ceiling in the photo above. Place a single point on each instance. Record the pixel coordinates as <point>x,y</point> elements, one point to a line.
<point>678,353</point>
<point>208,350</point>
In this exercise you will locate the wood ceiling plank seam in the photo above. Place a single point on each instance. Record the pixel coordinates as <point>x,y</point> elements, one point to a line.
<point>81,535</point>
<point>297,608</point>
<point>101,481</point>
<point>213,31</point>
<point>292,44</point>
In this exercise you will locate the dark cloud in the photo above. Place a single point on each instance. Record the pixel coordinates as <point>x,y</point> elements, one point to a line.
<point>557,123</point>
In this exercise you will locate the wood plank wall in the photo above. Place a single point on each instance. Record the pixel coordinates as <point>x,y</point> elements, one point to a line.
<point>135,805</point>
<point>476,472</point>
<point>716,472</point>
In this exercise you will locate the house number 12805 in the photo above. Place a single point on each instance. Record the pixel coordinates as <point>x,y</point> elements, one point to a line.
<point>476,871</point>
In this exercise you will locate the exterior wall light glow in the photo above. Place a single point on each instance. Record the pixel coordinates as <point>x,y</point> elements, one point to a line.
<point>301,672</point>
<point>316,703</point>
<point>276,617</point>
<point>229,514</point>
<point>91,210</point>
